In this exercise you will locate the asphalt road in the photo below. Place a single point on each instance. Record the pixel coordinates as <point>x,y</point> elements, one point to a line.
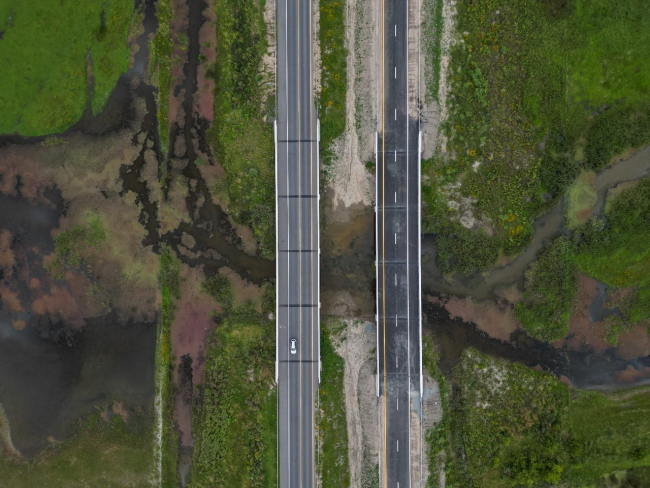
<point>297,256</point>
<point>398,251</point>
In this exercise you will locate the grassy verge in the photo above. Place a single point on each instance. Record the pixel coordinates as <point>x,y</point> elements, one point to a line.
<point>431,38</point>
<point>171,289</point>
<point>241,137</point>
<point>332,98</point>
<point>518,427</point>
<point>160,67</point>
<point>235,422</point>
<point>48,50</point>
<point>102,453</point>
<point>333,464</point>
<point>538,90</point>
<point>437,438</point>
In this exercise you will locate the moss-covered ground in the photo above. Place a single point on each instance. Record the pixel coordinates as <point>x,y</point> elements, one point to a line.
<point>235,419</point>
<point>242,131</point>
<point>48,50</point>
<point>515,427</point>
<point>611,248</point>
<point>108,453</point>
<point>332,98</point>
<point>333,463</point>
<point>539,90</point>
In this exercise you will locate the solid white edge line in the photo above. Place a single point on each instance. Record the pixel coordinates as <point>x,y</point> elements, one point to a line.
<point>377,256</point>
<point>286,68</point>
<point>318,242</point>
<point>408,281</point>
<point>277,259</point>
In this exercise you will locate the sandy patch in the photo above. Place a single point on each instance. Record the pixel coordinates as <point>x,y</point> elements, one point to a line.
<point>495,319</point>
<point>269,61</point>
<point>351,182</point>
<point>316,65</point>
<point>341,304</point>
<point>434,105</point>
<point>356,346</point>
<point>431,415</point>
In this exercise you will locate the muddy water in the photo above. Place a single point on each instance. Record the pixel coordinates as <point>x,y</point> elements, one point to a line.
<point>50,373</point>
<point>547,227</point>
<point>582,368</point>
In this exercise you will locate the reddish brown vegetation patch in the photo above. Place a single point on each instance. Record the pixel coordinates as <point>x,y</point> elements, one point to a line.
<point>634,343</point>
<point>582,331</point>
<point>18,324</point>
<point>495,319</point>
<point>631,375</point>
<point>10,301</point>
<point>203,98</point>
<point>6,254</point>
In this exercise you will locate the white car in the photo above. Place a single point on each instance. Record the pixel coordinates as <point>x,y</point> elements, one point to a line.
<point>293,346</point>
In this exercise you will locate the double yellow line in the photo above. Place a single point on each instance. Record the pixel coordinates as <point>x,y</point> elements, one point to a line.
<point>383,226</point>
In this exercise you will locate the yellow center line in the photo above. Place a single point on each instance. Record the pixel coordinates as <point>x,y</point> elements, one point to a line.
<point>299,254</point>
<point>383,228</point>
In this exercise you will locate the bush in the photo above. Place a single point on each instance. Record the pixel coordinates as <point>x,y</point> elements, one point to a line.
<point>219,287</point>
<point>461,250</point>
<point>549,292</point>
<point>613,131</point>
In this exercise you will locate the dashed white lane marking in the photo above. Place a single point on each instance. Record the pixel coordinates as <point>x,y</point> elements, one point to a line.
<point>395,114</point>
<point>395,155</point>
<point>397,446</point>
<point>395,320</point>
<point>395,72</point>
<point>395,30</point>
<point>395,237</point>
<point>395,197</point>
<point>395,279</point>
<point>398,404</point>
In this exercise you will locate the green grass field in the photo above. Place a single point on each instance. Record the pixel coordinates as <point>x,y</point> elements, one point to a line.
<point>241,138</point>
<point>516,427</point>
<point>235,420</point>
<point>102,453</point>
<point>332,98</point>
<point>538,90</point>
<point>332,424</point>
<point>47,50</point>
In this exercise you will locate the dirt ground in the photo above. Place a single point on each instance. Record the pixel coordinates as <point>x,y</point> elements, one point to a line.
<point>356,346</point>
<point>351,182</point>
<point>434,106</point>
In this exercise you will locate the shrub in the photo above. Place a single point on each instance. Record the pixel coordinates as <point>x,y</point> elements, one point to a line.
<point>549,292</point>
